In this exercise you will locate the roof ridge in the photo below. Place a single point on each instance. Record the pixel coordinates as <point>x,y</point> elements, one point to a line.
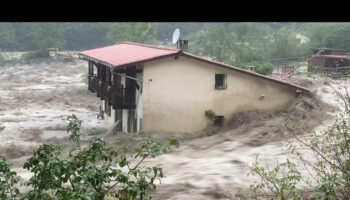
<point>152,46</point>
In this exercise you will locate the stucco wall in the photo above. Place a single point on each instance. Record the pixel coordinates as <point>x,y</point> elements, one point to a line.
<point>176,93</point>
<point>109,120</point>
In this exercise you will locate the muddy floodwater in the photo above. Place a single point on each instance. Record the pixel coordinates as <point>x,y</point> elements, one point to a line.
<point>35,100</point>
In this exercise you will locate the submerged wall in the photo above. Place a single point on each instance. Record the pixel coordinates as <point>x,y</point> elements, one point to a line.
<point>176,93</point>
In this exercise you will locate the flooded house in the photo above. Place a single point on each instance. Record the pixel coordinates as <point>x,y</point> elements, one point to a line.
<point>151,88</point>
<point>329,61</point>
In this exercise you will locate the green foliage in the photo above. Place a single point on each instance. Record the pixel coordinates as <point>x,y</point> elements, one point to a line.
<point>214,42</point>
<point>32,55</point>
<point>165,30</point>
<point>74,128</point>
<point>81,36</point>
<point>132,32</point>
<point>329,35</point>
<point>34,36</point>
<point>260,67</point>
<point>264,68</point>
<point>252,42</point>
<point>284,43</point>
<point>225,42</point>
<point>330,164</point>
<point>7,35</point>
<point>94,172</point>
<point>2,58</point>
<point>85,78</point>
<point>8,181</point>
<point>210,115</point>
<point>331,152</point>
<point>50,35</point>
<point>281,180</point>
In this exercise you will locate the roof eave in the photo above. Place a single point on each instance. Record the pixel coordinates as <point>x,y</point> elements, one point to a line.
<point>86,57</point>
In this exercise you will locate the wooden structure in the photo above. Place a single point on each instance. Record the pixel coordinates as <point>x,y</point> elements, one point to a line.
<point>287,69</point>
<point>330,62</point>
<point>251,68</point>
<point>108,87</point>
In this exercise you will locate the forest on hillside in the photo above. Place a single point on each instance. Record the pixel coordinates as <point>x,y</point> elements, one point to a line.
<point>224,42</point>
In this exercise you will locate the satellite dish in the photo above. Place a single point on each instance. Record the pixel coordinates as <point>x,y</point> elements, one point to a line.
<point>176,36</point>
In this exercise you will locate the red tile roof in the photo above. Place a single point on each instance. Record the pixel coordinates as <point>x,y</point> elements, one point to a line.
<point>126,53</point>
<point>332,56</point>
<point>130,53</point>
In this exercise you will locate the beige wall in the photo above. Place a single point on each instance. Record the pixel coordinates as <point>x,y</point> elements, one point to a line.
<point>109,120</point>
<point>182,89</point>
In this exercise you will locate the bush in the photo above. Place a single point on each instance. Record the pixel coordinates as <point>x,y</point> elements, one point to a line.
<point>330,153</point>
<point>32,55</point>
<point>85,78</point>
<point>264,68</point>
<point>281,180</point>
<point>8,181</point>
<point>210,115</point>
<point>261,68</point>
<point>91,173</point>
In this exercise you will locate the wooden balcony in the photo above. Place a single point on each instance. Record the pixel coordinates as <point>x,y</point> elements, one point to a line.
<point>118,96</point>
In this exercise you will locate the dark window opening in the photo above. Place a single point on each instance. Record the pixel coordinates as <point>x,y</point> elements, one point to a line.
<point>107,108</point>
<point>220,81</point>
<point>219,121</point>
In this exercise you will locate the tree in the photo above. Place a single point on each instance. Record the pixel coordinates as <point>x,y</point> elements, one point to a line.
<point>216,41</point>
<point>34,36</point>
<point>165,30</point>
<point>328,35</point>
<point>252,42</point>
<point>132,31</point>
<point>25,33</point>
<point>7,36</point>
<point>50,35</point>
<point>81,36</point>
<point>94,172</point>
<point>8,181</point>
<point>284,43</point>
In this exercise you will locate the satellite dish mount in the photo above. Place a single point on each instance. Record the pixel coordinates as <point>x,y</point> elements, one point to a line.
<point>180,44</point>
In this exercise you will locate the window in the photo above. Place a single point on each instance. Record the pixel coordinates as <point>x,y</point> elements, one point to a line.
<point>219,121</point>
<point>220,81</point>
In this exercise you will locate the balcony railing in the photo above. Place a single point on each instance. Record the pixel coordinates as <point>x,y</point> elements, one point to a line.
<point>118,96</point>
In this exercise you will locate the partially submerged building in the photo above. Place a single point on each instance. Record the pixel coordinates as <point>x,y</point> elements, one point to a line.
<point>150,88</point>
<point>329,61</point>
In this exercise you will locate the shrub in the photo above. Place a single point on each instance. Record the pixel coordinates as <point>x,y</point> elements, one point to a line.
<point>91,173</point>
<point>8,181</point>
<point>32,55</point>
<point>264,68</point>
<point>261,68</point>
<point>281,180</point>
<point>330,150</point>
<point>210,115</point>
<point>94,172</point>
<point>84,78</point>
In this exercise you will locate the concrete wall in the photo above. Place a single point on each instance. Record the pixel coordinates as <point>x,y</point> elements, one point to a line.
<point>109,120</point>
<point>176,93</point>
